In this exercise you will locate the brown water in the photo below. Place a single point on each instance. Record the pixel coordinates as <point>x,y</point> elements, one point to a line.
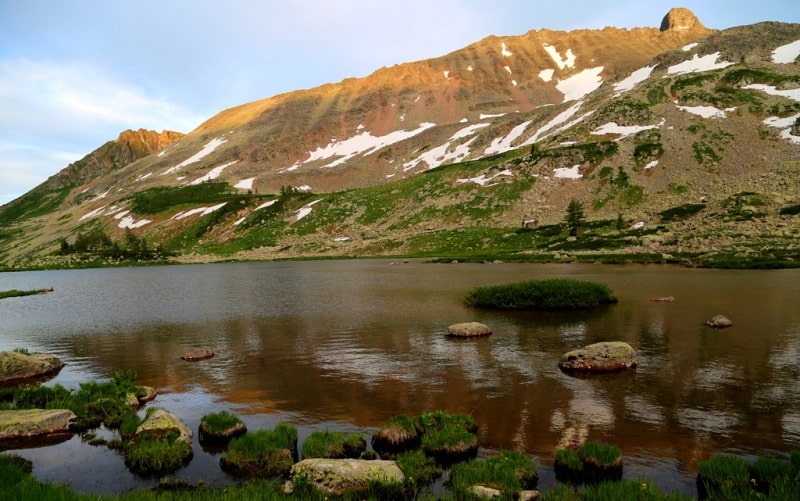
<point>344,345</point>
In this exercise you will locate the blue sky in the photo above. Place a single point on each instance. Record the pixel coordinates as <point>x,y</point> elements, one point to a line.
<point>74,74</point>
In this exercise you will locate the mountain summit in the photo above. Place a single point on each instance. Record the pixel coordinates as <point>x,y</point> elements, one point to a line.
<point>664,135</point>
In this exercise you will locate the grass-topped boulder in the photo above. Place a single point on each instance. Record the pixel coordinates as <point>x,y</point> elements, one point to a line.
<point>508,473</point>
<point>264,453</point>
<point>590,462</point>
<point>399,434</point>
<point>446,437</point>
<point>160,445</point>
<point>547,294</point>
<point>220,427</point>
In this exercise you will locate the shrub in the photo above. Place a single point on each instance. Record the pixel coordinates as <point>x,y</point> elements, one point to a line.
<point>548,294</point>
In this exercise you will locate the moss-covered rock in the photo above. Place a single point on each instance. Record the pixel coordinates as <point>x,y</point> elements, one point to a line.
<point>341,477</point>
<point>16,424</point>
<point>163,423</point>
<point>600,357</point>
<point>17,367</point>
<point>468,329</point>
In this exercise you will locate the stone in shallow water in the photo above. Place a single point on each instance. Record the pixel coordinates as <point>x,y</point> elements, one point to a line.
<point>600,357</point>
<point>468,329</point>
<point>16,424</point>
<point>16,367</point>
<point>198,354</point>
<point>343,476</point>
<point>719,322</point>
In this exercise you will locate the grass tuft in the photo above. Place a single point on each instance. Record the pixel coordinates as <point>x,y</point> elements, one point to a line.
<point>548,294</point>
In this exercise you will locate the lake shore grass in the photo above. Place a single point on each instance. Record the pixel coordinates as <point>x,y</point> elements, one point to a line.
<point>19,293</point>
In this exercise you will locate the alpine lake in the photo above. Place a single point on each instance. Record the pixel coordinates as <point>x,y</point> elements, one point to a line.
<point>343,345</point>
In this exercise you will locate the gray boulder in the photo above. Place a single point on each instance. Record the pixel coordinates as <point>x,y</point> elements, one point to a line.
<point>27,423</point>
<point>719,322</point>
<point>162,422</point>
<point>600,357</point>
<point>340,477</point>
<point>16,367</point>
<point>468,329</point>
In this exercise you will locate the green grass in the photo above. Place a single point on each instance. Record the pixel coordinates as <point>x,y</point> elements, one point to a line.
<point>155,456</point>
<point>418,467</point>
<point>548,294</point>
<point>324,444</point>
<point>723,472</point>
<point>218,422</point>
<point>163,198</point>
<point>600,453</point>
<point>19,293</point>
<point>263,453</point>
<point>508,471</point>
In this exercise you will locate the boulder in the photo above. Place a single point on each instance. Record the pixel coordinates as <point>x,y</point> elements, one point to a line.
<point>485,492</point>
<point>719,322</point>
<point>663,299</point>
<point>16,367</point>
<point>600,357</point>
<point>16,424</point>
<point>341,477</point>
<point>468,329</point>
<point>198,354</point>
<point>146,394</point>
<point>161,423</point>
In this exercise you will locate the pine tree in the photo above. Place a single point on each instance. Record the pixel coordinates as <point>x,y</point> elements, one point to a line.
<point>575,217</point>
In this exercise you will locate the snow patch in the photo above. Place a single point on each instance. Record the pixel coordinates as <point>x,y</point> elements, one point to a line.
<point>502,144</point>
<point>786,125</point>
<point>690,46</point>
<point>446,74</point>
<point>650,165</point>
<point>482,179</point>
<point>363,143</point>
<point>142,177</point>
<point>568,172</point>
<point>130,223</point>
<point>484,116</point>
<point>207,150</point>
<point>697,64</point>
<point>504,51</point>
<point>565,62</point>
<point>441,154</point>
<point>213,174</point>
<point>547,75</point>
<point>469,68</point>
<point>707,111</point>
<point>203,211</point>
<point>94,213</point>
<point>786,54</point>
<point>245,184</point>
<point>637,76</point>
<point>637,226</point>
<point>623,130</point>
<point>507,69</point>
<point>304,210</point>
<point>303,188</point>
<point>793,94</point>
<point>558,120</point>
<point>577,86</point>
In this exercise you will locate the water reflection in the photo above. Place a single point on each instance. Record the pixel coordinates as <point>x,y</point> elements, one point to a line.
<point>351,343</point>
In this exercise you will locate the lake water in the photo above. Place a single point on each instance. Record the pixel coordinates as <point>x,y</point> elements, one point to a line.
<point>344,345</point>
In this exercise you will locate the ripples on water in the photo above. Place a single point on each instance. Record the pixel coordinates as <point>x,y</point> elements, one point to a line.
<point>347,344</point>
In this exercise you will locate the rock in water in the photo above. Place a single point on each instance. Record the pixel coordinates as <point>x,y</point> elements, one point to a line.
<point>719,322</point>
<point>341,477</point>
<point>468,329</point>
<point>198,354</point>
<point>600,357</point>
<point>16,367</point>
<point>28,423</point>
<point>162,422</point>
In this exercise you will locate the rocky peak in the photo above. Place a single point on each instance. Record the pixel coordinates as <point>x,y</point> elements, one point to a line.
<point>680,19</point>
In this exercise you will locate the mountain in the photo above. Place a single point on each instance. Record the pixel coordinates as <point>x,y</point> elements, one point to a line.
<point>678,141</point>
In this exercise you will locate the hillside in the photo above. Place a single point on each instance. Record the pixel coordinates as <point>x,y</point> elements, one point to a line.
<point>681,143</point>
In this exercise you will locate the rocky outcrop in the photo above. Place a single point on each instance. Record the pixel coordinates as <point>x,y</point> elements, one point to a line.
<point>681,19</point>
<point>719,322</point>
<point>341,477</point>
<point>16,367</point>
<point>600,357</point>
<point>161,423</point>
<point>28,423</point>
<point>468,329</point>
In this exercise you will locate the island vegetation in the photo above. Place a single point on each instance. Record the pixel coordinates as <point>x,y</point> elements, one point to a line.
<point>547,294</point>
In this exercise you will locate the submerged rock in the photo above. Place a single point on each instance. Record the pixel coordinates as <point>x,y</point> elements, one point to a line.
<point>346,476</point>
<point>719,322</point>
<point>16,367</point>
<point>28,423</point>
<point>468,329</point>
<point>198,354</point>
<point>600,357</point>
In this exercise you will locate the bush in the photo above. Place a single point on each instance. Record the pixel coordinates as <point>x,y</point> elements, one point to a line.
<point>549,294</point>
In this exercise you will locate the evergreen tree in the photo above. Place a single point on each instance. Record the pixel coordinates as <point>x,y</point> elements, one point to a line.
<point>575,217</point>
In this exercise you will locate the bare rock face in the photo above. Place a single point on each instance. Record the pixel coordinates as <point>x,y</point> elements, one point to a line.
<point>680,19</point>
<point>17,424</point>
<point>600,357</point>
<point>346,476</point>
<point>18,367</point>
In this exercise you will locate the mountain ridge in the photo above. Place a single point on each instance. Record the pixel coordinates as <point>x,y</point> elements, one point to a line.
<point>525,124</point>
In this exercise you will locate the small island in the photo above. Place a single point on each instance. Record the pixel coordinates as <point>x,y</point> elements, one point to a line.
<point>547,294</point>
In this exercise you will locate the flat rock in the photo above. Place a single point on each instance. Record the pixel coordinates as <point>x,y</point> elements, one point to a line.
<point>719,322</point>
<point>162,422</point>
<point>28,423</point>
<point>468,329</point>
<point>343,476</point>
<point>18,367</point>
<point>600,357</point>
<point>198,354</point>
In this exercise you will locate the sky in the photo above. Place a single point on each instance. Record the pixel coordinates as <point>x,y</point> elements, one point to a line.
<point>76,73</point>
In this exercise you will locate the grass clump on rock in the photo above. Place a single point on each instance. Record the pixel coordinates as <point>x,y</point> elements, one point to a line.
<point>221,426</point>
<point>509,472</point>
<point>547,294</point>
<point>399,434</point>
<point>264,453</point>
<point>447,437</point>
<point>324,444</point>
